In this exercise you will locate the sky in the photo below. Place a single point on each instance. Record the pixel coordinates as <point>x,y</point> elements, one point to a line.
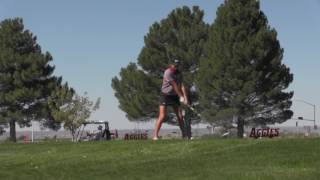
<point>90,42</point>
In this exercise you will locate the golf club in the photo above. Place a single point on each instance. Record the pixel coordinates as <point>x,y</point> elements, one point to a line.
<point>193,110</point>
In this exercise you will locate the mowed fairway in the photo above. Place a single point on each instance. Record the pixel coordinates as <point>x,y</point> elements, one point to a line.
<point>168,159</point>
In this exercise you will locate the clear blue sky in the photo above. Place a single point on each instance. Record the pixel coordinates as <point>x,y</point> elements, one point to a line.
<point>91,40</point>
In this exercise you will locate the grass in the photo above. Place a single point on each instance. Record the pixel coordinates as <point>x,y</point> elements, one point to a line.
<point>293,159</point>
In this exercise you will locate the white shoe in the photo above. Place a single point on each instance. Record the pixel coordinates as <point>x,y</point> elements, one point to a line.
<point>155,138</point>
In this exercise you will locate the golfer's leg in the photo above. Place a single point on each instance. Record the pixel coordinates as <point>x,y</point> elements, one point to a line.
<point>178,111</point>
<point>162,113</point>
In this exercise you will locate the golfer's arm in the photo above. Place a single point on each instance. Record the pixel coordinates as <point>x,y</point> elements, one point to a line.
<point>176,88</point>
<point>184,92</point>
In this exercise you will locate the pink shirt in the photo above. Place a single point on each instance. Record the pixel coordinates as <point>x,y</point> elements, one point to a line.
<point>169,76</point>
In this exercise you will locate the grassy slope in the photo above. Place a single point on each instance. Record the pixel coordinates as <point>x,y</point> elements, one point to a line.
<point>200,159</point>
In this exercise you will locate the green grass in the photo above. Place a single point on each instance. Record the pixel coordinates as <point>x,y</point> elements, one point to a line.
<point>293,159</point>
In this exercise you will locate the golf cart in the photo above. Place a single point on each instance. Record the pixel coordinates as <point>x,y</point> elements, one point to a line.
<point>102,134</point>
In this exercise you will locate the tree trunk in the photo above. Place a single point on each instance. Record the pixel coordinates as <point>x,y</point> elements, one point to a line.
<point>13,137</point>
<point>240,127</point>
<point>73,133</point>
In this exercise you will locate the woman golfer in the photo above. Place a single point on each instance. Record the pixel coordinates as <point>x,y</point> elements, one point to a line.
<point>172,93</point>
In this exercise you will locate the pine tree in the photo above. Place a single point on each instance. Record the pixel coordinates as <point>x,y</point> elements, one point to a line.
<point>137,93</point>
<point>26,79</point>
<point>241,75</point>
<point>179,36</point>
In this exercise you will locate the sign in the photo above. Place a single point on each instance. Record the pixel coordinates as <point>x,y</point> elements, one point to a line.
<point>264,132</point>
<point>136,136</point>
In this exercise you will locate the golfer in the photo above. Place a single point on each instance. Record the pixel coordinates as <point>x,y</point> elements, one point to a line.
<point>172,93</point>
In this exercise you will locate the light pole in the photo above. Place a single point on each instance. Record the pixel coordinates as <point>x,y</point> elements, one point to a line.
<point>314,110</point>
<point>32,130</point>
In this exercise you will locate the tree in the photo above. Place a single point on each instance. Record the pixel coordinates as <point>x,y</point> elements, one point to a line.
<point>179,36</point>
<point>71,109</point>
<point>241,75</point>
<point>60,97</point>
<point>26,79</point>
<point>137,93</point>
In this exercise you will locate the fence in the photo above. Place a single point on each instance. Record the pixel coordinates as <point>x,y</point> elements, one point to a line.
<point>26,136</point>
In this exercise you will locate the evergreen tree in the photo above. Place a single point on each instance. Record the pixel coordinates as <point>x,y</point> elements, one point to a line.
<point>241,75</point>
<point>26,79</point>
<point>137,93</point>
<point>179,36</point>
